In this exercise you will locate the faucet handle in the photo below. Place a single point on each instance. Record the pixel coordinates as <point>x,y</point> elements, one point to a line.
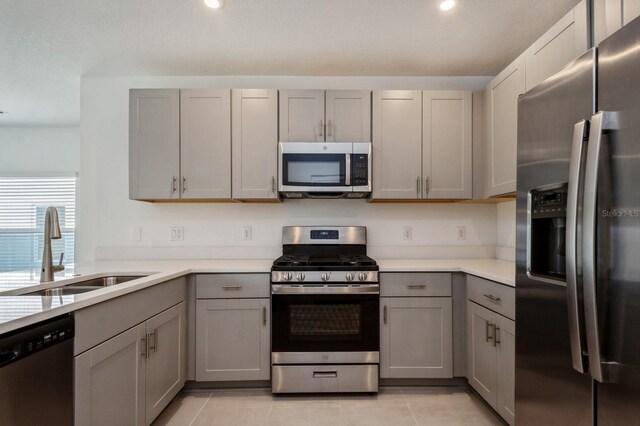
<point>59,267</point>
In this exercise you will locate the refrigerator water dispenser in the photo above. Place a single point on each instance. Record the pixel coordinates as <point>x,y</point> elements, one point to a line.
<point>547,213</point>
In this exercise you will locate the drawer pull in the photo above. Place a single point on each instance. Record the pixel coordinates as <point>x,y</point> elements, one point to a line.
<point>231,287</point>
<point>416,286</point>
<point>325,374</point>
<point>492,297</point>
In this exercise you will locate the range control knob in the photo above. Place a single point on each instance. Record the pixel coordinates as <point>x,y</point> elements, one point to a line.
<point>287,276</point>
<point>300,276</point>
<point>362,276</point>
<point>325,276</point>
<point>350,276</point>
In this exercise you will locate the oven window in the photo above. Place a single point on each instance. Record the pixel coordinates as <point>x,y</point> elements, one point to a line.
<point>308,322</point>
<point>311,323</point>
<point>314,169</point>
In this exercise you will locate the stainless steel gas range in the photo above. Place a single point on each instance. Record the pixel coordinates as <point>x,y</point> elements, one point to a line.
<point>325,304</point>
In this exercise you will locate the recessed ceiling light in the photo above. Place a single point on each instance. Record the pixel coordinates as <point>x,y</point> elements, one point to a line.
<point>447,5</point>
<point>214,4</point>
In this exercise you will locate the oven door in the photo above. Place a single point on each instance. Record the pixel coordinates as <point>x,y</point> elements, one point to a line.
<point>306,324</point>
<point>315,167</point>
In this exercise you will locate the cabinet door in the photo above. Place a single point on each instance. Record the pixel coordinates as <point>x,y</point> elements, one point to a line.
<point>232,339</point>
<point>166,366</point>
<point>502,138</point>
<point>481,354</point>
<point>565,41</point>
<point>302,116</point>
<point>154,144</point>
<point>630,10</point>
<point>416,337</point>
<point>205,143</point>
<point>447,144</point>
<point>255,143</point>
<point>397,144</point>
<point>348,115</point>
<point>506,365</point>
<point>110,381</point>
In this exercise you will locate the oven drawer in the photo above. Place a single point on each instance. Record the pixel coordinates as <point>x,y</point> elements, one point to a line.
<point>403,284</point>
<point>232,286</point>
<point>497,297</point>
<point>324,378</point>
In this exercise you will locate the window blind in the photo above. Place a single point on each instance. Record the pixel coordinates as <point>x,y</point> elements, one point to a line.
<point>23,203</point>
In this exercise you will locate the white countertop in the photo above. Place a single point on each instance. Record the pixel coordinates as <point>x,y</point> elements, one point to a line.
<point>20,311</point>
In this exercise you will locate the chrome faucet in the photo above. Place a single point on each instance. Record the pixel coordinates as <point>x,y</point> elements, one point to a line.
<point>51,232</point>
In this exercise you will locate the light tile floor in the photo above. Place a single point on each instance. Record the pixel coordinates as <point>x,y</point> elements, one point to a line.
<point>396,407</point>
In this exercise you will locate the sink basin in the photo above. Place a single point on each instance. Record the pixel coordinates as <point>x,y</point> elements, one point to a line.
<point>85,286</point>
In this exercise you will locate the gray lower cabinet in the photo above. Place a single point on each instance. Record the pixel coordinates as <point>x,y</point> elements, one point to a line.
<point>416,338</point>
<point>232,339</point>
<point>491,358</point>
<point>130,378</point>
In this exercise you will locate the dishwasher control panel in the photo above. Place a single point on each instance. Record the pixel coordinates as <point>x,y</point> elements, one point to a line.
<point>26,341</point>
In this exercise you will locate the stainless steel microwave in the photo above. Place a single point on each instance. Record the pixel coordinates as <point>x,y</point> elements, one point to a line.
<point>325,170</point>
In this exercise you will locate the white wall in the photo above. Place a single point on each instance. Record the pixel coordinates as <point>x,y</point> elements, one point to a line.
<point>506,231</point>
<point>106,217</point>
<point>39,150</point>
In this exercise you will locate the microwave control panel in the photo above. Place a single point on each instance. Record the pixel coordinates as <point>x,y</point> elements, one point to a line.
<point>359,169</point>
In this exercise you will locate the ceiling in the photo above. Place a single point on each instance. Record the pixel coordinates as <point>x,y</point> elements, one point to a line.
<point>46,46</point>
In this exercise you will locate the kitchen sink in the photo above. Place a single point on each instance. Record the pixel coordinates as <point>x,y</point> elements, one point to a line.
<point>85,286</point>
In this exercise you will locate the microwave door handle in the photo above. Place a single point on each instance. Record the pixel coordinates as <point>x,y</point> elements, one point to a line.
<point>347,170</point>
<point>576,338</point>
<point>600,122</point>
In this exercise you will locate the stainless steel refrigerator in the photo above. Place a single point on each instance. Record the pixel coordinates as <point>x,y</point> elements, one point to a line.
<point>578,241</point>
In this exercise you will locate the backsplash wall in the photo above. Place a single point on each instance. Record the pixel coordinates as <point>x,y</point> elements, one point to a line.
<point>108,221</point>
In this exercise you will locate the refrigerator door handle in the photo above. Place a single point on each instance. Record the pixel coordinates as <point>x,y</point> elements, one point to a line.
<point>600,123</point>
<point>576,338</point>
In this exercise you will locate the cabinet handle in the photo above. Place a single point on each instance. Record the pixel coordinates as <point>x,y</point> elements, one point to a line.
<point>487,336</point>
<point>264,315</point>
<point>321,128</point>
<point>418,186</point>
<point>416,286</point>
<point>231,287</point>
<point>492,298</point>
<point>145,346</point>
<point>155,340</point>
<point>273,184</point>
<point>173,183</point>
<point>184,183</point>
<point>496,333</point>
<point>329,129</point>
<point>426,185</point>
<point>384,314</point>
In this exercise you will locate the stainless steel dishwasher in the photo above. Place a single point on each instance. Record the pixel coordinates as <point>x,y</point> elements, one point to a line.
<point>36,374</point>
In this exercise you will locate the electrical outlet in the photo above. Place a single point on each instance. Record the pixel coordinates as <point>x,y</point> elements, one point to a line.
<point>407,233</point>
<point>176,233</point>
<point>245,233</point>
<point>462,232</point>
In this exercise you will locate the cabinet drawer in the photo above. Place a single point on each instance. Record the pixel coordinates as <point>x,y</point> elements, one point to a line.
<point>415,284</point>
<point>497,297</point>
<point>232,286</point>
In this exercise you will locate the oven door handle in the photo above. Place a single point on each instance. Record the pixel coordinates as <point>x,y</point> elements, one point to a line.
<point>325,289</point>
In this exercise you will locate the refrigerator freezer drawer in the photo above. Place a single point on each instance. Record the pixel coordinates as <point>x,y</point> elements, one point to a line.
<point>497,297</point>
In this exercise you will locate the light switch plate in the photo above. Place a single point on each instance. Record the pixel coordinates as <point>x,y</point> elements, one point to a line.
<point>176,233</point>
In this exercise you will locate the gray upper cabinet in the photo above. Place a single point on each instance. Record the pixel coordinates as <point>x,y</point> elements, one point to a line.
<point>154,144</point>
<point>565,41</point>
<point>447,145</point>
<point>610,15</point>
<point>397,144</point>
<point>302,115</point>
<point>325,116</point>
<point>205,143</point>
<point>502,127</point>
<point>348,116</point>
<point>179,144</point>
<point>255,143</point>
